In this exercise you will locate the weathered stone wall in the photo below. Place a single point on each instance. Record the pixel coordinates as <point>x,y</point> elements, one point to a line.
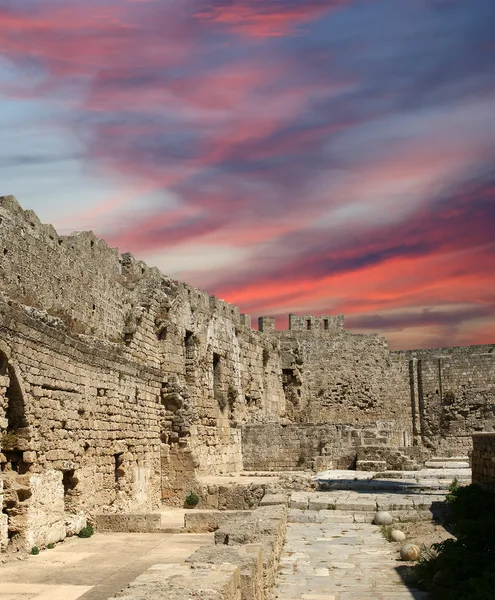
<point>82,431</point>
<point>335,376</point>
<point>119,386</point>
<point>483,460</point>
<point>454,391</point>
<point>295,446</point>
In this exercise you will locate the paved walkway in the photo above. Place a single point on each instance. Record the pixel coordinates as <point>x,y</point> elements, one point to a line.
<point>340,561</point>
<point>95,568</point>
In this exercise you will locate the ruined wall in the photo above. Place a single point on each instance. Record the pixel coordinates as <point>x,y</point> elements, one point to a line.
<point>454,390</point>
<point>127,385</point>
<point>81,433</point>
<point>295,446</point>
<point>75,277</point>
<point>119,386</point>
<point>483,460</point>
<point>334,376</point>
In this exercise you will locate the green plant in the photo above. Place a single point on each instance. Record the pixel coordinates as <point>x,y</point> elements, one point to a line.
<point>387,532</point>
<point>463,568</point>
<point>192,499</point>
<point>86,532</point>
<point>51,546</point>
<point>301,460</point>
<point>35,550</point>
<point>9,440</point>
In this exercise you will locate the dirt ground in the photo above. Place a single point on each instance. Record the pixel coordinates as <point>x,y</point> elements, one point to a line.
<point>423,533</point>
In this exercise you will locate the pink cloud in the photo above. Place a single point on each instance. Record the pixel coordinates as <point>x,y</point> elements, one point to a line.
<point>266,18</point>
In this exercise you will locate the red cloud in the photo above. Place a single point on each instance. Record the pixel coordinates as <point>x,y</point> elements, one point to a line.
<point>266,18</point>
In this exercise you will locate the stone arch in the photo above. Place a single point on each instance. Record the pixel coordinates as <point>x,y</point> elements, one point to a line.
<point>13,440</point>
<point>14,424</point>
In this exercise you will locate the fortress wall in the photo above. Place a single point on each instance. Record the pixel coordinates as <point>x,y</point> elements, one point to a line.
<point>75,276</point>
<point>455,390</point>
<point>336,376</point>
<point>294,446</point>
<point>82,430</point>
<point>154,383</point>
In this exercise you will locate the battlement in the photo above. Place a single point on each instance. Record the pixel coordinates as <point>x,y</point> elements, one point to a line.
<point>80,276</point>
<point>316,323</point>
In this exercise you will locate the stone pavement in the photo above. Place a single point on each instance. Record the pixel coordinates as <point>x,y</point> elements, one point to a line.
<point>339,559</point>
<point>348,506</point>
<point>95,568</point>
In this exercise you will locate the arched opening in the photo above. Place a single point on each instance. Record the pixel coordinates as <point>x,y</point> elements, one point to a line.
<point>14,437</point>
<point>14,441</point>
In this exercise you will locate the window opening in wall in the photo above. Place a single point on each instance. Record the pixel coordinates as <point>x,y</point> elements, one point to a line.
<point>69,482</point>
<point>188,338</point>
<point>119,468</point>
<point>308,324</point>
<point>217,382</point>
<point>325,323</point>
<point>190,355</point>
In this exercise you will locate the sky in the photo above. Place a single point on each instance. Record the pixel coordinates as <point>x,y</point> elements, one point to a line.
<point>304,156</point>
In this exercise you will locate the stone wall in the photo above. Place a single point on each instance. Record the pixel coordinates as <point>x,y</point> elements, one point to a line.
<point>454,392</point>
<point>296,446</point>
<point>483,460</point>
<point>335,376</point>
<point>118,385</point>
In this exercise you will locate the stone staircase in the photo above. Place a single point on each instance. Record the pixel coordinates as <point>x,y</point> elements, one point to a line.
<point>436,477</point>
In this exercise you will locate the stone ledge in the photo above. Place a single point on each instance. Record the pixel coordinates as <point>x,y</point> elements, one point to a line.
<point>128,523</point>
<point>194,582</point>
<point>249,560</point>
<point>204,522</point>
<point>266,526</point>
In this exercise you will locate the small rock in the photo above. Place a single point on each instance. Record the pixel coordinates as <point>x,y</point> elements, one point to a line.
<point>383,518</point>
<point>397,536</point>
<point>410,552</point>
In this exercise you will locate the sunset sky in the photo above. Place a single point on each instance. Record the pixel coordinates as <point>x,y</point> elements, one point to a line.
<point>306,156</point>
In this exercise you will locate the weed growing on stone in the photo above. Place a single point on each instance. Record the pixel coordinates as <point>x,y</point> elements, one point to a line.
<point>35,550</point>
<point>192,499</point>
<point>51,546</point>
<point>387,532</point>
<point>86,532</point>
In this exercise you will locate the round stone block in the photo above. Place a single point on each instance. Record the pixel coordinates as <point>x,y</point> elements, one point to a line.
<point>410,552</point>
<point>383,518</point>
<point>397,536</point>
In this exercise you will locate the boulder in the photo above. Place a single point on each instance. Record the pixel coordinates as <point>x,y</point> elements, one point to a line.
<point>397,536</point>
<point>410,552</point>
<point>383,518</point>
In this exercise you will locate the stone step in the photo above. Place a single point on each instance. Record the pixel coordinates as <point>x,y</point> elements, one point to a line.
<point>357,516</point>
<point>386,485</point>
<point>438,474</point>
<point>446,464</point>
